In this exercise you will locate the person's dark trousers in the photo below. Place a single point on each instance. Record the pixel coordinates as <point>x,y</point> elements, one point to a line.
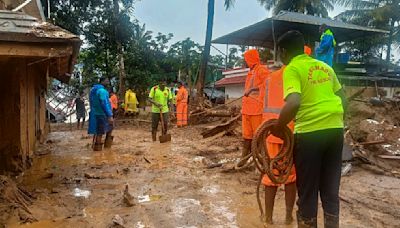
<point>155,119</point>
<point>318,160</point>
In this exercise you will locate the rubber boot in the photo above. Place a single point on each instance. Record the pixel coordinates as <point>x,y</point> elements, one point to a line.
<point>98,147</point>
<point>305,222</point>
<point>245,152</point>
<point>154,136</point>
<point>331,221</point>
<point>108,141</point>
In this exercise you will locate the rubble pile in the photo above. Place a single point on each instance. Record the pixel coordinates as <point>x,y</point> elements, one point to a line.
<point>374,133</point>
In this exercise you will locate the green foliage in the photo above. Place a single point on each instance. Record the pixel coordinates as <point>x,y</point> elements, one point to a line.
<point>311,7</point>
<point>382,14</point>
<point>148,57</point>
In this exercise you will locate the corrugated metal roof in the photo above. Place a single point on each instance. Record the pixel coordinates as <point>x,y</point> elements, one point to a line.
<point>20,27</point>
<point>231,81</point>
<point>261,33</point>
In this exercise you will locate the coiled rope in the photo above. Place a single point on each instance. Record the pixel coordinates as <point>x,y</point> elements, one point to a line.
<point>278,168</point>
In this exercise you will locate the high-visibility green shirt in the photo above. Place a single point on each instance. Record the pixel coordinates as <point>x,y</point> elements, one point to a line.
<point>317,83</point>
<point>161,97</point>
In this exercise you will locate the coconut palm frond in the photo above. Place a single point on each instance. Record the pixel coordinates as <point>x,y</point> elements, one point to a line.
<point>229,4</point>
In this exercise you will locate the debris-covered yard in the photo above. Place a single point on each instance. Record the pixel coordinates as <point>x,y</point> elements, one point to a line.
<point>186,183</point>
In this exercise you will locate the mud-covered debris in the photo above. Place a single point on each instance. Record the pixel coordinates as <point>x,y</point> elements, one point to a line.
<point>14,198</point>
<point>118,221</point>
<point>42,152</point>
<point>126,170</point>
<point>92,176</point>
<point>48,175</point>
<point>128,199</point>
<point>147,160</point>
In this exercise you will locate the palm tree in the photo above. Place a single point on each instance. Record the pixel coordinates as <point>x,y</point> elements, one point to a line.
<point>382,14</point>
<point>207,45</point>
<point>311,7</point>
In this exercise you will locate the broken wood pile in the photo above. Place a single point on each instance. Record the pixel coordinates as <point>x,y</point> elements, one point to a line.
<point>14,199</point>
<point>374,133</point>
<point>227,127</point>
<point>205,112</point>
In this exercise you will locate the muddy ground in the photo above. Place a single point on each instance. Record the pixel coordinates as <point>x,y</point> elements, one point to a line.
<point>76,187</point>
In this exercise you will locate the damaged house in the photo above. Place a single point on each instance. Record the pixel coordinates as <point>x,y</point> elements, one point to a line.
<point>31,51</point>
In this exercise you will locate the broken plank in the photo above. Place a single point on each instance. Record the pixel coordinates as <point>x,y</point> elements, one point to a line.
<point>394,157</point>
<point>221,127</point>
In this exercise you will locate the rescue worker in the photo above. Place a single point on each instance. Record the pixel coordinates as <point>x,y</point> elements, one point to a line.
<point>315,99</point>
<point>101,119</point>
<point>130,102</point>
<point>326,48</point>
<point>114,103</point>
<point>273,103</point>
<point>80,110</point>
<point>182,106</point>
<point>252,102</point>
<point>159,96</point>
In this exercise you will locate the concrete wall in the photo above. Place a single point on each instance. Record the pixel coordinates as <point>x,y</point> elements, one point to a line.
<point>234,91</point>
<point>22,112</point>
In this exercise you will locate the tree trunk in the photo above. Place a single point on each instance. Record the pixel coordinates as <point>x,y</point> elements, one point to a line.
<point>390,41</point>
<point>120,50</point>
<point>206,52</point>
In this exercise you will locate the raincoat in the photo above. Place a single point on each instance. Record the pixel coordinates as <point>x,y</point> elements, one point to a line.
<point>252,105</point>
<point>326,48</point>
<point>100,108</point>
<point>130,101</point>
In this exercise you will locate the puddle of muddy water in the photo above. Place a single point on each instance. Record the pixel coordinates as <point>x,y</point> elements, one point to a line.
<point>81,193</point>
<point>183,205</point>
<point>212,189</point>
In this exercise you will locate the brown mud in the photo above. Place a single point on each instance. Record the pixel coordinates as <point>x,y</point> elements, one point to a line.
<point>172,187</point>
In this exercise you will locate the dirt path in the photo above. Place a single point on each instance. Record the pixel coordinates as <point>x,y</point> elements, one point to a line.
<point>76,187</point>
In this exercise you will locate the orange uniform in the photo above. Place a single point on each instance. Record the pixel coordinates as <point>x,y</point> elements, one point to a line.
<point>273,103</point>
<point>253,104</point>
<point>182,107</point>
<point>114,101</point>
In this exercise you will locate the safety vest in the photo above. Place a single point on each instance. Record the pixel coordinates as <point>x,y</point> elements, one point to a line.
<point>274,101</point>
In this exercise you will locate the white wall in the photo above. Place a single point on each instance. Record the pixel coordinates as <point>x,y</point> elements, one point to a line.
<point>234,91</point>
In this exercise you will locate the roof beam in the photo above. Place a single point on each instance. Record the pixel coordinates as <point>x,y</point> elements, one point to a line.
<point>35,50</point>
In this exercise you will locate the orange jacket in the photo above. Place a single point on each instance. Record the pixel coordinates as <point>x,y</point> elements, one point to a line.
<point>114,101</point>
<point>273,100</point>
<point>182,96</point>
<point>253,104</point>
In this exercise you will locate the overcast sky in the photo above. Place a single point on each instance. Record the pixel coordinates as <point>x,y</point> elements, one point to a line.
<point>188,18</point>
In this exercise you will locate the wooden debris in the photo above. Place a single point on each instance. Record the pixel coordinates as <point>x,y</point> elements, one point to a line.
<point>225,127</point>
<point>389,157</point>
<point>371,143</point>
<point>128,199</point>
<point>356,94</point>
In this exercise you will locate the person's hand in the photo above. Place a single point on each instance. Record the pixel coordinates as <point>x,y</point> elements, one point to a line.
<point>246,94</point>
<point>111,120</point>
<point>277,131</point>
<point>159,106</point>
